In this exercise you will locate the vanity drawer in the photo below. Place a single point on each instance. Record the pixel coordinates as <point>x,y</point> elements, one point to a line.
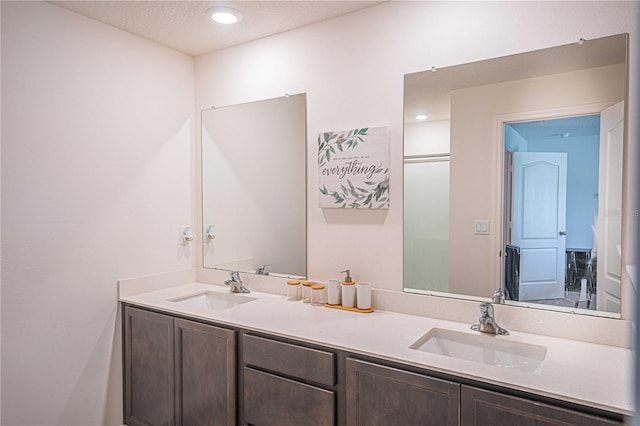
<point>292,360</point>
<point>270,400</point>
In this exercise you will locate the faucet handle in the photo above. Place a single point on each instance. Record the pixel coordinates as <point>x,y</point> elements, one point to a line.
<point>486,309</point>
<point>260,270</point>
<point>487,322</point>
<point>499,296</point>
<point>236,283</point>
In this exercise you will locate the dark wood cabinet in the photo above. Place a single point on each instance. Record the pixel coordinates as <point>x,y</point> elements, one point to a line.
<point>481,407</point>
<point>271,400</point>
<point>385,396</point>
<point>183,372</point>
<point>177,372</point>
<point>148,368</point>
<point>297,361</point>
<point>205,374</point>
<point>287,384</point>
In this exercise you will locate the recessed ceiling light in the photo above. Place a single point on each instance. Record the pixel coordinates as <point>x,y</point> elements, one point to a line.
<point>224,14</point>
<point>421,117</point>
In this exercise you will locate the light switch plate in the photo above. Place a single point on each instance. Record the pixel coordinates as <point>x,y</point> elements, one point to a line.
<point>481,227</point>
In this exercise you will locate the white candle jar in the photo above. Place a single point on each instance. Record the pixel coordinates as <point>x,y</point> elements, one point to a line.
<point>334,292</point>
<point>364,295</point>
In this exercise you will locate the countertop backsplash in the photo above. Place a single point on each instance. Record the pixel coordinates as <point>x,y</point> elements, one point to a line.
<point>585,328</point>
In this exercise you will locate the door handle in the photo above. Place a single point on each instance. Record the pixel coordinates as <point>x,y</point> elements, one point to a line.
<point>563,232</point>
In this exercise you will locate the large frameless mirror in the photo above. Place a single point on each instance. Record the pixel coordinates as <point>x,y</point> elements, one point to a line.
<point>513,177</point>
<point>254,187</point>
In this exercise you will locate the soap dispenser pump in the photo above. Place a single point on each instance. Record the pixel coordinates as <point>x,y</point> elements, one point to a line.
<point>348,291</point>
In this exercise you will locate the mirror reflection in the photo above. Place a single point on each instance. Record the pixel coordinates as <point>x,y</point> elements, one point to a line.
<point>254,187</point>
<point>513,177</point>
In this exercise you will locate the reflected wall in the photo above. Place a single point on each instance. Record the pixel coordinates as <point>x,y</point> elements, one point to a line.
<point>253,186</point>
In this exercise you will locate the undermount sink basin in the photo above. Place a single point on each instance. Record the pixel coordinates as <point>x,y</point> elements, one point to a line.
<point>214,300</point>
<point>485,349</point>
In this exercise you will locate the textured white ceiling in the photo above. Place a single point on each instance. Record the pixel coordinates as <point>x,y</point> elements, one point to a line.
<point>184,25</point>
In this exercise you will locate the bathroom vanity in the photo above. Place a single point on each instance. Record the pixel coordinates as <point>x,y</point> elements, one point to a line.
<point>194,355</point>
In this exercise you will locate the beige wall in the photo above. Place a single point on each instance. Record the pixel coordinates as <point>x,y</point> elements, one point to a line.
<point>475,159</point>
<point>96,181</point>
<point>426,138</point>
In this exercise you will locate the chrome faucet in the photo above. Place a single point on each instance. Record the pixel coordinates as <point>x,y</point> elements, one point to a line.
<point>236,284</point>
<point>487,323</point>
<point>261,270</point>
<point>499,296</point>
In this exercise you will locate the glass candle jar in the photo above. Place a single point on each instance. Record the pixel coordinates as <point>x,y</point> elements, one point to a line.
<point>306,291</point>
<point>317,295</point>
<point>293,290</point>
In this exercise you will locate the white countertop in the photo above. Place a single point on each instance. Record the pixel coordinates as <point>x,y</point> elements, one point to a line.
<point>594,375</point>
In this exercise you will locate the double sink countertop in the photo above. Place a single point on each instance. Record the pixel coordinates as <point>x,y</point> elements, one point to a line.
<point>589,374</point>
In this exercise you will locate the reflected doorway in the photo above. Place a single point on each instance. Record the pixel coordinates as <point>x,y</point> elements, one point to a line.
<point>551,210</point>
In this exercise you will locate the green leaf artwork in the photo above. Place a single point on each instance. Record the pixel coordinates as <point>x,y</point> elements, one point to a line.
<point>328,142</point>
<point>356,197</point>
<point>353,169</point>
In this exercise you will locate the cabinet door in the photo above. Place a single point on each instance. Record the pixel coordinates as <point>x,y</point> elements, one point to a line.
<point>270,400</point>
<point>205,374</point>
<point>148,368</point>
<point>481,407</point>
<point>385,396</point>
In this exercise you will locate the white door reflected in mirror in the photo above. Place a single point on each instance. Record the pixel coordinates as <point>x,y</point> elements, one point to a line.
<point>609,225</point>
<point>539,215</point>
